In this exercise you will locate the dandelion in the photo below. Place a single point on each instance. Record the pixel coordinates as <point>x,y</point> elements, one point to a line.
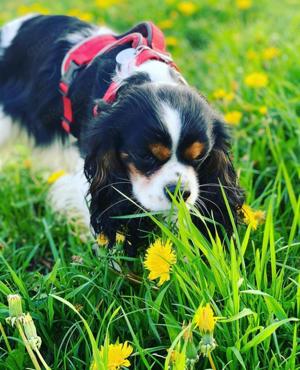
<point>34,8</point>
<point>159,259</point>
<point>257,80</point>
<point>102,240</point>
<point>120,238</point>
<point>207,345</point>
<point>219,94</point>
<point>55,176</point>
<point>251,55</point>
<point>166,24</point>
<point>263,110</point>
<point>233,117</point>
<point>252,217</point>
<point>244,4</point>
<point>270,53</point>
<point>178,360</point>
<point>187,8</point>
<point>27,164</point>
<point>117,356</point>
<point>14,308</point>
<point>105,4</point>
<point>171,41</point>
<point>229,97</point>
<point>31,333</point>
<point>204,319</point>
<point>84,16</point>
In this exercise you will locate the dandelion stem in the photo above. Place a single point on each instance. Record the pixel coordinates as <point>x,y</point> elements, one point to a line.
<point>42,359</point>
<point>211,361</point>
<point>27,345</point>
<point>5,338</point>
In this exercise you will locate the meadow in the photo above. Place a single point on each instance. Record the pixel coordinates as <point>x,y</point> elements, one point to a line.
<point>227,305</point>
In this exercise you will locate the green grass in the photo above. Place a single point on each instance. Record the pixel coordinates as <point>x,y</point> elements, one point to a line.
<point>252,282</point>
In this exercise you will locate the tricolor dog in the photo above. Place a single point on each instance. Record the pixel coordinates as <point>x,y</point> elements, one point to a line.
<point>119,112</point>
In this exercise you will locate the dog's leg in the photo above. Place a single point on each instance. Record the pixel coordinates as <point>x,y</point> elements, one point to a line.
<point>67,196</point>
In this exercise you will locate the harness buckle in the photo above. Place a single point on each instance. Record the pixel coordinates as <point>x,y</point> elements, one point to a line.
<point>70,73</point>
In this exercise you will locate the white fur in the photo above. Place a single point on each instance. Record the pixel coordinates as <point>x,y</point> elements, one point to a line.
<point>149,191</point>
<point>67,195</point>
<point>172,122</point>
<point>5,127</point>
<point>78,37</point>
<point>10,30</point>
<point>157,71</point>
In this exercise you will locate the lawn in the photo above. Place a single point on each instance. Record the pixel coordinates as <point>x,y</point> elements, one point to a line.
<point>244,57</point>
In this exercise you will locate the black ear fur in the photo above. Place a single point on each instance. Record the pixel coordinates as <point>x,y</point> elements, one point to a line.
<point>104,170</point>
<point>217,171</point>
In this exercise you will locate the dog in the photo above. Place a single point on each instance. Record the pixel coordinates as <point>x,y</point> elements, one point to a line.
<point>127,123</point>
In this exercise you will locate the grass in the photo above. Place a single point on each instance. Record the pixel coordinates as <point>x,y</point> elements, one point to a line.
<point>252,282</point>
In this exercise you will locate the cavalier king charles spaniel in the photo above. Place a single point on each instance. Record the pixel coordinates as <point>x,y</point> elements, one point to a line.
<point>121,117</point>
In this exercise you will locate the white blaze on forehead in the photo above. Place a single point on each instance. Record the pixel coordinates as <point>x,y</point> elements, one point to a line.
<point>172,121</point>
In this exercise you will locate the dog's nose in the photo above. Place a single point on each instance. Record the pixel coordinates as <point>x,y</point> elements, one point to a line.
<point>171,188</point>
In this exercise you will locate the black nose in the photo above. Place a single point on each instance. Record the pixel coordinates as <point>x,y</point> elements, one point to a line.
<point>170,190</point>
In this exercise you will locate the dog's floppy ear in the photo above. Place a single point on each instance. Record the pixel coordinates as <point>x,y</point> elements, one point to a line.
<point>103,169</point>
<point>218,171</point>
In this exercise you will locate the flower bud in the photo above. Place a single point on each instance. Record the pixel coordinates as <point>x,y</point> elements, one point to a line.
<point>15,305</point>
<point>207,344</point>
<point>30,332</point>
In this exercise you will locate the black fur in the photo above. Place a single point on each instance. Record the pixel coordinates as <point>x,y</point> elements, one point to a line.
<point>29,80</point>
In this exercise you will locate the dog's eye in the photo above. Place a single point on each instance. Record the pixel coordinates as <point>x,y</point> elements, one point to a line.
<point>160,151</point>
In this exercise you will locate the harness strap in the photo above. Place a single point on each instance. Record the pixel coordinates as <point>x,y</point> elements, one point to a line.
<point>148,42</point>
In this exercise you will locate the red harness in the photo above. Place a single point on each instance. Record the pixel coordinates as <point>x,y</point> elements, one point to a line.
<point>147,41</point>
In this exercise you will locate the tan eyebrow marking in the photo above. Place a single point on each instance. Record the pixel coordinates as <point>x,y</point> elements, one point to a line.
<point>193,151</point>
<point>160,151</point>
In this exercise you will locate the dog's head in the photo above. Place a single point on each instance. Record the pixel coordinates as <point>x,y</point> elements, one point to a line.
<point>153,137</point>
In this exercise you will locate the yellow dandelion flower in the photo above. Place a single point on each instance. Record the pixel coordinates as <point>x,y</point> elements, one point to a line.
<point>27,164</point>
<point>105,4</point>
<point>159,259</point>
<point>229,97</point>
<point>34,8</point>
<point>102,240</point>
<point>178,360</point>
<point>204,319</point>
<point>219,94</point>
<point>270,53</point>
<point>116,357</point>
<point>120,238</point>
<point>84,16</point>
<point>233,118</point>
<point>257,80</point>
<point>171,41</point>
<point>263,110</point>
<point>244,4</point>
<point>55,176</point>
<point>252,217</point>
<point>166,24</point>
<point>187,8</point>
<point>251,54</point>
